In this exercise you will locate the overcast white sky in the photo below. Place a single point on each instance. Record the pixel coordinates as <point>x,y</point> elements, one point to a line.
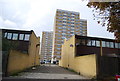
<point>38,15</point>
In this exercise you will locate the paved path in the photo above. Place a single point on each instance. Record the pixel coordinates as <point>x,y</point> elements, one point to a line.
<point>49,72</point>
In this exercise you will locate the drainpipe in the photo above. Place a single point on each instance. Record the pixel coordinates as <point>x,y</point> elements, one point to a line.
<point>98,62</point>
<point>101,51</point>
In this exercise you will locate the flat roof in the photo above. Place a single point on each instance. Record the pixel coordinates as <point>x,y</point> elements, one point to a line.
<point>94,38</point>
<point>16,31</point>
<point>68,11</point>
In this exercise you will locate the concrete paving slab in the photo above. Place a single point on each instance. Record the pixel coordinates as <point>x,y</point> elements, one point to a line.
<point>49,72</point>
<point>50,76</point>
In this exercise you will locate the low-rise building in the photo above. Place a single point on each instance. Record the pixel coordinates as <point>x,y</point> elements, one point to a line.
<point>91,56</point>
<point>20,50</point>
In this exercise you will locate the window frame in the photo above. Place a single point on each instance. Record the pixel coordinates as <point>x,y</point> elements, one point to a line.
<point>14,36</point>
<point>10,36</point>
<point>25,37</point>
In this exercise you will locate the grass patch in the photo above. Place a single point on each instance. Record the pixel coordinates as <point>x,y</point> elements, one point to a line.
<point>16,73</point>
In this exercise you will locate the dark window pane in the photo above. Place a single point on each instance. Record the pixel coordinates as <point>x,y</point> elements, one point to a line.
<point>103,44</point>
<point>15,36</point>
<point>111,45</point>
<point>93,42</point>
<point>98,43</point>
<point>89,42</point>
<point>21,36</point>
<point>107,44</point>
<point>82,42</point>
<point>5,34</point>
<point>119,45</point>
<point>116,45</point>
<point>9,36</point>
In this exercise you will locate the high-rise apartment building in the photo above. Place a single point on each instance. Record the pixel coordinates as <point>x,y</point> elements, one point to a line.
<point>46,46</point>
<point>66,24</point>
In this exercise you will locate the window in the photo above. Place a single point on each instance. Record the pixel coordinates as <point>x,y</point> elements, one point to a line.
<point>63,25</point>
<point>5,34</point>
<point>58,37</point>
<point>89,43</point>
<point>64,18</point>
<point>119,45</point>
<point>93,42</point>
<point>60,17</point>
<point>59,49</point>
<point>15,36</point>
<point>64,21</point>
<point>58,57</point>
<point>72,22</point>
<point>111,45</point>
<point>60,21</point>
<point>62,42</point>
<point>63,37</point>
<point>63,31</point>
<point>97,43</point>
<point>107,44</point>
<point>72,26</point>
<point>103,44</point>
<point>72,32</point>
<point>68,19</point>
<point>77,26</point>
<point>77,19</point>
<point>83,42</point>
<point>58,52</point>
<point>59,27</point>
<point>60,14</point>
<point>76,23</point>
<point>64,28</point>
<point>68,22</point>
<point>59,31</point>
<point>68,32</point>
<point>68,15</point>
<point>72,19</point>
<point>27,37</point>
<point>21,36</point>
<point>58,45</point>
<point>9,36</point>
<point>77,29</point>
<point>116,45</point>
<point>64,15</point>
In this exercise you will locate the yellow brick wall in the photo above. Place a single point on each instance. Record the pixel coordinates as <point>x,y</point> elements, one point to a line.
<point>67,53</point>
<point>19,61</point>
<point>33,50</point>
<point>85,65</point>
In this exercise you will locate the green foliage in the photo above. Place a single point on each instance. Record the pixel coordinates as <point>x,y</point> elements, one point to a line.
<point>107,14</point>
